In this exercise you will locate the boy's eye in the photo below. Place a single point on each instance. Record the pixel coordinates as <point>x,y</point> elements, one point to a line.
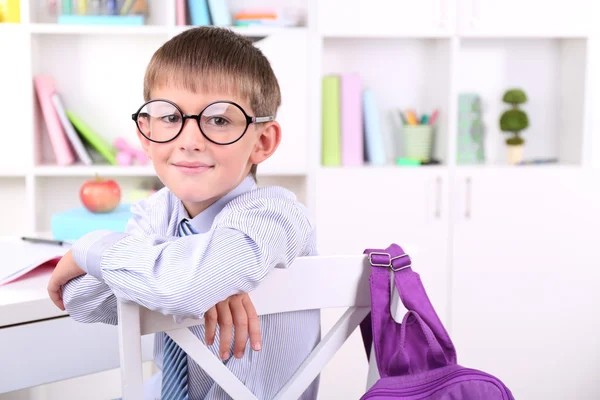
<point>218,121</point>
<point>171,119</point>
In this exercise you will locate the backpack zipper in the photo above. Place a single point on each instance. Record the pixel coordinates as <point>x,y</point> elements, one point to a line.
<point>444,381</point>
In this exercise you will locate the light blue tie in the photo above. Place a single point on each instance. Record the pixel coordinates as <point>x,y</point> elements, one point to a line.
<point>175,371</point>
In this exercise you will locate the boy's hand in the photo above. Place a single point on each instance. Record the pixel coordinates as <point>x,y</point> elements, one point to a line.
<point>239,310</point>
<point>65,270</point>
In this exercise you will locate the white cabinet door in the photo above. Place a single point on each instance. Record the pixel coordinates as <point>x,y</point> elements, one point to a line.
<point>525,17</point>
<point>291,157</point>
<point>359,208</point>
<point>526,271</point>
<point>385,17</point>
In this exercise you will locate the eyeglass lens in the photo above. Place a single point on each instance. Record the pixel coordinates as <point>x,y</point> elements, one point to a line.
<point>161,121</point>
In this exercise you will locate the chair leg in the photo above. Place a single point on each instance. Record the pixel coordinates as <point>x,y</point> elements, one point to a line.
<point>325,350</point>
<point>211,364</point>
<point>373,373</point>
<point>132,378</point>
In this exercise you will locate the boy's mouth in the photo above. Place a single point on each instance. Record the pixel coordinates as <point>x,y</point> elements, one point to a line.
<point>188,167</point>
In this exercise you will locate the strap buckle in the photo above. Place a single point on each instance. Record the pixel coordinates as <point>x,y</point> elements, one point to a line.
<point>390,261</point>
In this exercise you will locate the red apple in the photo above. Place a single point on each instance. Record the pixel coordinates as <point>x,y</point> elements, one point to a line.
<point>100,195</point>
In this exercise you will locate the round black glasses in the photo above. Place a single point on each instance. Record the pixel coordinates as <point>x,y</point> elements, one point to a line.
<point>221,122</point>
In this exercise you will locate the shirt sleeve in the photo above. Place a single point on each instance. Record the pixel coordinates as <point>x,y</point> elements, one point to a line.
<point>185,276</point>
<point>88,299</point>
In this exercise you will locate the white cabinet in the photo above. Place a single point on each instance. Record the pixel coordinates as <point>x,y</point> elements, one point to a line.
<point>292,75</point>
<point>359,208</point>
<point>370,207</point>
<point>525,271</point>
<point>385,17</point>
<point>525,17</point>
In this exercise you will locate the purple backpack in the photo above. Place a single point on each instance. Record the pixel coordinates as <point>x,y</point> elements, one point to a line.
<point>416,358</point>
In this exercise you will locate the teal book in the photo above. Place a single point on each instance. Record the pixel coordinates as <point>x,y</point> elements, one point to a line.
<point>199,12</point>
<point>219,12</point>
<point>72,224</point>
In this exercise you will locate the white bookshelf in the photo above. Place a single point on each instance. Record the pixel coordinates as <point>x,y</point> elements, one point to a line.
<point>413,54</point>
<point>91,171</point>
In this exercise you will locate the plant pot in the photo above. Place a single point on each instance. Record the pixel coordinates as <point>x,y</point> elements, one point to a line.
<point>515,153</point>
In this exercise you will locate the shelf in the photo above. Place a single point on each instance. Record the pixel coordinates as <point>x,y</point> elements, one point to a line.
<point>250,31</point>
<point>133,171</point>
<point>57,29</point>
<point>503,34</point>
<point>385,35</point>
<point>552,72</point>
<point>402,73</point>
<point>91,171</point>
<point>146,30</point>
<point>7,28</point>
<point>383,169</point>
<point>12,173</point>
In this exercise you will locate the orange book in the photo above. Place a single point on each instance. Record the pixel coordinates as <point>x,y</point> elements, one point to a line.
<point>255,16</point>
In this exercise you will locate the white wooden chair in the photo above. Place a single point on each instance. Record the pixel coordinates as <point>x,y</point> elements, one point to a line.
<point>316,282</point>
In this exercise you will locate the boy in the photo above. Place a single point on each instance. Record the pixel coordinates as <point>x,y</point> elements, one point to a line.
<point>197,246</point>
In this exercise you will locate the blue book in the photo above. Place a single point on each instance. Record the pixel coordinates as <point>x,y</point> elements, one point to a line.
<point>199,14</point>
<point>373,137</point>
<point>72,224</point>
<point>219,12</point>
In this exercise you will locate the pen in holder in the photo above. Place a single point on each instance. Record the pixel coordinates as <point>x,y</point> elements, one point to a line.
<point>418,141</point>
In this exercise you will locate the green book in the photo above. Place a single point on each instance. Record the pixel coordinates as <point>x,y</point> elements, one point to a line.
<point>331,131</point>
<point>96,141</point>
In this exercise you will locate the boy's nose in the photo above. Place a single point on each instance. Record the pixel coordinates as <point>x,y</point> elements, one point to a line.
<point>191,138</point>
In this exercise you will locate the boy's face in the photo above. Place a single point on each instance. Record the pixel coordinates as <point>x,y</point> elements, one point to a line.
<point>198,171</point>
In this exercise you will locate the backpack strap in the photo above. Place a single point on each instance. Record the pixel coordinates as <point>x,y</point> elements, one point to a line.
<point>393,342</point>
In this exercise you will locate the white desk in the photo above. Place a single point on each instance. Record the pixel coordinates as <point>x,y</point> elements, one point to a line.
<point>41,344</point>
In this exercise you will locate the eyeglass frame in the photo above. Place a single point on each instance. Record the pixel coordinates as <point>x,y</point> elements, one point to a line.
<point>249,120</point>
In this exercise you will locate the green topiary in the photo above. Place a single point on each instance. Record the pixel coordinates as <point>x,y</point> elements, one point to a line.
<point>514,120</point>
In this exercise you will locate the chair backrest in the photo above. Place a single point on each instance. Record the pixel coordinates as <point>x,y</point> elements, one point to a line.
<point>315,282</point>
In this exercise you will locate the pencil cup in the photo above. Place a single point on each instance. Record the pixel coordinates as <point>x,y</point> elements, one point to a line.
<point>418,141</point>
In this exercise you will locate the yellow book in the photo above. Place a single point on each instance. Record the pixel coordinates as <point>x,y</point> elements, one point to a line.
<point>10,11</point>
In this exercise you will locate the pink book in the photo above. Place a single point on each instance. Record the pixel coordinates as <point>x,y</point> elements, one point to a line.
<point>351,119</point>
<point>180,13</point>
<point>21,258</point>
<point>45,88</point>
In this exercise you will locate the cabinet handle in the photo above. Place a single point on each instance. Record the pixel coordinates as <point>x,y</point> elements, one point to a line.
<point>468,189</point>
<point>438,198</point>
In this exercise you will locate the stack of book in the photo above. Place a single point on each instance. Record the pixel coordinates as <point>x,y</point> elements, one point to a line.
<point>71,138</point>
<point>105,12</point>
<point>351,132</point>
<point>202,12</point>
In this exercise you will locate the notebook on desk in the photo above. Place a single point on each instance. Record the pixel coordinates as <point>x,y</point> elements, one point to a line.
<point>20,257</point>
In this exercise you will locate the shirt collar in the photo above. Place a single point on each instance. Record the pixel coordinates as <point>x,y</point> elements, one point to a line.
<point>203,221</point>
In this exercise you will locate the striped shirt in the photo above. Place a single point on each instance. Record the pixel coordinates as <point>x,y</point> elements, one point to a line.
<point>240,238</point>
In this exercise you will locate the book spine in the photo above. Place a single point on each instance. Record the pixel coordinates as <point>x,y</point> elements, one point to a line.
<point>351,120</point>
<point>331,128</point>
<point>44,86</point>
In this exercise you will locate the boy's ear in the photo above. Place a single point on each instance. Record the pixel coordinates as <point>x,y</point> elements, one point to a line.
<point>266,143</point>
<point>145,143</point>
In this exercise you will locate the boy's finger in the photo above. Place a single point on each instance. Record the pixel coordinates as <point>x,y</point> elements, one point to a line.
<point>240,322</point>
<point>210,325</point>
<point>253,323</point>
<point>54,291</point>
<point>225,329</point>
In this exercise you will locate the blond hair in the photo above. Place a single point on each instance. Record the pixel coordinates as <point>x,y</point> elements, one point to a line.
<point>212,58</point>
